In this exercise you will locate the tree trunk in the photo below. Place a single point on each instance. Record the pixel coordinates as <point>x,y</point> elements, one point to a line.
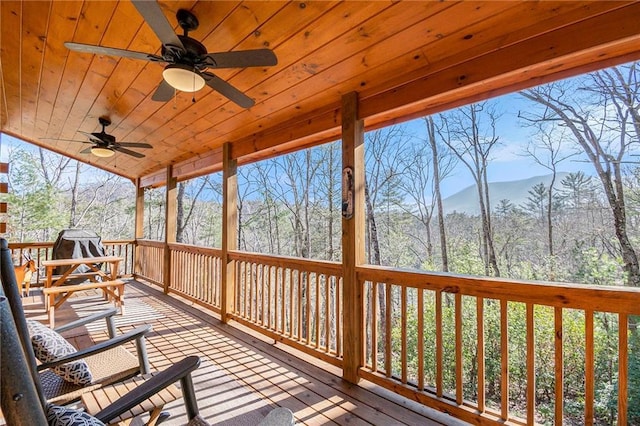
<point>493,261</point>
<point>550,214</point>
<point>180,213</point>
<point>438,194</point>
<point>74,197</point>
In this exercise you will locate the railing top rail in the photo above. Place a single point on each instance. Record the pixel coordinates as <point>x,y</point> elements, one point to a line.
<point>149,243</point>
<point>323,266</point>
<point>188,248</point>
<point>564,295</point>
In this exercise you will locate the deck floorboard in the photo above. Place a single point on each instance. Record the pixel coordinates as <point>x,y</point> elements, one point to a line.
<point>243,375</point>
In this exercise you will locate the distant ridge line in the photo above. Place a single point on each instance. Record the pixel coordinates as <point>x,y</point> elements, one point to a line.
<point>516,191</point>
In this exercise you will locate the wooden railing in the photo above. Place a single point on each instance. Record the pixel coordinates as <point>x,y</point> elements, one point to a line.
<point>469,346</point>
<point>292,300</point>
<point>150,261</point>
<point>43,251</point>
<point>443,340</point>
<point>195,274</point>
<point>454,327</point>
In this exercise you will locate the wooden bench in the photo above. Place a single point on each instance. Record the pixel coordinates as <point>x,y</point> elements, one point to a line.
<point>113,290</point>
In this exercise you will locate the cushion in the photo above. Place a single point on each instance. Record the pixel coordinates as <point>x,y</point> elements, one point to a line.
<point>49,346</point>
<point>62,416</point>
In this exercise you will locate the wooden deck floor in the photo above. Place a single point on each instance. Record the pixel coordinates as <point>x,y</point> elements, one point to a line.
<point>243,376</point>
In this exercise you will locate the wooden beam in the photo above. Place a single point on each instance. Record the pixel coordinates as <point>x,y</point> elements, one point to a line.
<point>199,165</point>
<point>229,231</point>
<point>154,180</point>
<point>352,236</point>
<point>308,130</point>
<point>169,226</point>
<point>601,41</point>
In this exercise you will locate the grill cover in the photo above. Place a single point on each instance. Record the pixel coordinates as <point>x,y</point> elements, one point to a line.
<point>76,243</point>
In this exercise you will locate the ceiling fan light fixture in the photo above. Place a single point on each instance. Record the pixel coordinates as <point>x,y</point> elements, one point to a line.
<point>102,152</point>
<point>183,77</point>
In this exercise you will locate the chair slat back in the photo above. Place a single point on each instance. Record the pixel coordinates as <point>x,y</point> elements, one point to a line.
<point>12,293</point>
<point>19,399</point>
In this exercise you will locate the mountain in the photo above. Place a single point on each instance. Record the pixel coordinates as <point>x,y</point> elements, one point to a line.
<point>516,191</point>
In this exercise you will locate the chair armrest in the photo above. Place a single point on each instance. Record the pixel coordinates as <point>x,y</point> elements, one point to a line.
<point>107,314</point>
<point>178,371</point>
<point>135,334</point>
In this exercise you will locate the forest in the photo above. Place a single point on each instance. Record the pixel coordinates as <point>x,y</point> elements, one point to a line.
<point>580,226</point>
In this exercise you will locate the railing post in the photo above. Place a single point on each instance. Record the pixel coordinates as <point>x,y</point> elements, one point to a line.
<point>170,226</point>
<point>352,235</point>
<point>229,231</point>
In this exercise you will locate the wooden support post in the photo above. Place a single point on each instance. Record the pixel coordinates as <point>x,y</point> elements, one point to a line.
<point>169,226</point>
<point>139,224</point>
<point>229,230</point>
<point>352,235</point>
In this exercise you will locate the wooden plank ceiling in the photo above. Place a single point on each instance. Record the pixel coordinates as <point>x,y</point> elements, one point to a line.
<point>404,60</point>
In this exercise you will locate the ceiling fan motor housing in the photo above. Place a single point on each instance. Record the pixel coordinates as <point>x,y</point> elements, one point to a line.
<point>103,138</point>
<point>191,56</point>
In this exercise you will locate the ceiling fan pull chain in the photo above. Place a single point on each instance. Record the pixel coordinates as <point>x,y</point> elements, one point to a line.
<point>193,97</point>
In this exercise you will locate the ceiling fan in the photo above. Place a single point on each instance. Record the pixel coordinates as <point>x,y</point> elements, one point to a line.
<point>186,57</point>
<point>105,145</point>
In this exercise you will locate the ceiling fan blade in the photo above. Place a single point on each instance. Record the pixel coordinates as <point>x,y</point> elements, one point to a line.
<point>128,152</point>
<point>152,13</point>
<point>241,59</point>
<point>111,51</point>
<point>135,144</point>
<point>66,140</point>
<point>226,89</point>
<point>86,150</point>
<point>164,92</point>
<point>92,138</point>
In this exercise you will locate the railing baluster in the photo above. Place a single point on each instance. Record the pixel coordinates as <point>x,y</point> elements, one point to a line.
<point>253,296</point>
<point>387,330</point>
<point>310,278</point>
<point>623,366</point>
<point>403,333</point>
<point>374,325</point>
<point>420,351</point>
<point>327,314</point>
<point>458,337</point>
<point>281,300</point>
<point>504,350</point>
<point>439,364</point>
<point>339,316</point>
<point>299,305</point>
<point>317,315</point>
<point>295,279</point>
<point>559,367</point>
<point>589,361</point>
<point>531,366</point>
<point>480,350</point>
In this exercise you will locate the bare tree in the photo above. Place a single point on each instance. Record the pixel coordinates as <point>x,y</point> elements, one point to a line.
<point>328,182</point>
<point>443,164</point>
<point>74,196</point>
<point>185,213</point>
<point>601,112</point>
<point>384,159</point>
<point>547,151</point>
<point>470,133</point>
